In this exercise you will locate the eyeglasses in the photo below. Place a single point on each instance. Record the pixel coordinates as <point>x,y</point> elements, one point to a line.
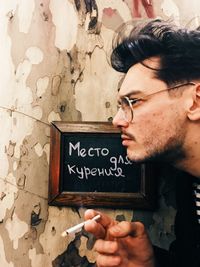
<point>126,104</point>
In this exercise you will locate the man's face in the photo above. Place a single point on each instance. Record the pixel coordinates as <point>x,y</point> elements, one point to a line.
<point>158,128</point>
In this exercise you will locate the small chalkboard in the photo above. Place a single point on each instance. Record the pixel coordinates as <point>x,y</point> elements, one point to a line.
<point>89,167</point>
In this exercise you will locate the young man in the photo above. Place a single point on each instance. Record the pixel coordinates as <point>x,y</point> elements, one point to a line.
<point>159,118</point>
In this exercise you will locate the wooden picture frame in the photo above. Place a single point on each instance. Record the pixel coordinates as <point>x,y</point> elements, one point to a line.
<point>103,177</point>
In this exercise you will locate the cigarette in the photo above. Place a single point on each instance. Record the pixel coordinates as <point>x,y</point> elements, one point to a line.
<point>78,227</point>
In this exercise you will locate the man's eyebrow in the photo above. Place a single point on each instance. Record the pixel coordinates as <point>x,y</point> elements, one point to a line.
<point>134,93</point>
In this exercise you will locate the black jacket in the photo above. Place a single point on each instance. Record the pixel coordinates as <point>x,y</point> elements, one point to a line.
<point>185,250</point>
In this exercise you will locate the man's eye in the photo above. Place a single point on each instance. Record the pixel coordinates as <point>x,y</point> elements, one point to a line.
<point>135,101</point>
<point>126,102</point>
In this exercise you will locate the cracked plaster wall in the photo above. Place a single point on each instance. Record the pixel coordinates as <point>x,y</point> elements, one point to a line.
<point>54,67</point>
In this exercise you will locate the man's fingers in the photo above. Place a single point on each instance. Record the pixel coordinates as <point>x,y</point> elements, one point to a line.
<point>97,228</point>
<point>124,229</point>
<point>106,247</point>
<point>108,260</point>
<point>105,227</point>
<point>104,219</point>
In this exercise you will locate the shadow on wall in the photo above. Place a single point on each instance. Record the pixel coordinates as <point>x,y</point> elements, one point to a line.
<point>70,257</point>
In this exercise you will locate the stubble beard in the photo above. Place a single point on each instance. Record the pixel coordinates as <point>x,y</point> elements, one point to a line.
<point>171,152</point>
<point>163,144</point>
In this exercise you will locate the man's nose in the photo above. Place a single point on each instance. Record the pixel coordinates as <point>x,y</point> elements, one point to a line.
<point>119,119</point>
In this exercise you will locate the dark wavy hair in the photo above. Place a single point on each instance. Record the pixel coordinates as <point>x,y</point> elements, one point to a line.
<point>177,48</point>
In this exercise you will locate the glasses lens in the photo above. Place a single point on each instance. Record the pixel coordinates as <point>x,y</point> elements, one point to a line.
<point>126,107</point>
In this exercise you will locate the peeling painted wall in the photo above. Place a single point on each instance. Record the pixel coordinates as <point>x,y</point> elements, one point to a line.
<point>54,67</point>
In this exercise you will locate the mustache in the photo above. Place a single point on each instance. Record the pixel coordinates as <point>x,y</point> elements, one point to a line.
<point>125,135</point>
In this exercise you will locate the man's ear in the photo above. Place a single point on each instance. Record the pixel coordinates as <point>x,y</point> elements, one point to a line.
<point>194,108</point>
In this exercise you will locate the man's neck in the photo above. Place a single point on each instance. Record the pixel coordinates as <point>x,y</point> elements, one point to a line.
<point>190,167</point>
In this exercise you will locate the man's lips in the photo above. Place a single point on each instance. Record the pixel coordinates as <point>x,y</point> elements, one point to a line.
<point>125,137</point>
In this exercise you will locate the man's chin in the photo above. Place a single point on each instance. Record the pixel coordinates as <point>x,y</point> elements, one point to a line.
<point>135,157</point>
<point>140,158</point>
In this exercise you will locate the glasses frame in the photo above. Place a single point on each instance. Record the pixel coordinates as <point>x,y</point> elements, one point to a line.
<point>129,102</point>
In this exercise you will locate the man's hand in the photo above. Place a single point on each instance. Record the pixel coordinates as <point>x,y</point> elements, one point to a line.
<point>122,244</point>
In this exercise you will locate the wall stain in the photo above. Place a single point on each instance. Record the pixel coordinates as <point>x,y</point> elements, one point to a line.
<point>10,15</point>
<point>35,215</point>
<point>21,181</point>
<point>92,10</point>
<point>2,196</point>
<point>11,149</point>
<point>56,81</point>
<point>77,4</point>
<point>70,257</point>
